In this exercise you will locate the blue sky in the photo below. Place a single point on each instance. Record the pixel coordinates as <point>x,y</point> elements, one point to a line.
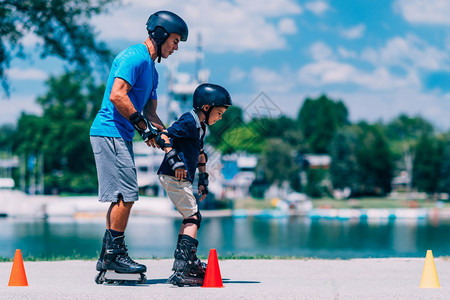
<point>381,58</point>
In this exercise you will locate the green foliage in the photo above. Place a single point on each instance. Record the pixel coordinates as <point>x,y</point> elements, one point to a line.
<point>278,162</point>
<point>427,163</point>
<point>317,185</point>
<point>6,136</point>
<point>319,119</point>
<point>362,160</point>
<point>444,170</point>
<point>404,128</point>
<point>344,164</point>
<point>232,118</point>
<point>62,133</point>
<point>374,159</point>
<point>63,26</point>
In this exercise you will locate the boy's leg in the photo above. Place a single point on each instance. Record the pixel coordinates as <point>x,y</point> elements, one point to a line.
<point>188,269</point>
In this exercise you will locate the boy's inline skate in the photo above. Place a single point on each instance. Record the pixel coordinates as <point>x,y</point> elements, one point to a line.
<point>188,269</point>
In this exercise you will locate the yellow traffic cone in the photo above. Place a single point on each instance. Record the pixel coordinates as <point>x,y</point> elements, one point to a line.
<point>430,278</point>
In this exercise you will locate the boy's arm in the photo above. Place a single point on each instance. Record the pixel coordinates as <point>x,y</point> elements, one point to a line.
<point>164,142</point>
<point>202,175</point>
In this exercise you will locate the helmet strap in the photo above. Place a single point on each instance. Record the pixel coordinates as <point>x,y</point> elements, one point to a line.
<point>160,36</point>
<point>159,52</point>
<point>207,113</point>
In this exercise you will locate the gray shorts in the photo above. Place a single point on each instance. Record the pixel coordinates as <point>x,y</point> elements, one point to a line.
<point>116,171</point>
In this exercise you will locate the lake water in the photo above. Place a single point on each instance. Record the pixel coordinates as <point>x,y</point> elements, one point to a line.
<point>290,236</point>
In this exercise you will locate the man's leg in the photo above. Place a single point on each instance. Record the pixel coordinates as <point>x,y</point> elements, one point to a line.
<point>118,214</point>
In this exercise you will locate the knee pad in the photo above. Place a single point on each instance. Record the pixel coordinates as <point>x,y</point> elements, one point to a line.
<point>194,221</point>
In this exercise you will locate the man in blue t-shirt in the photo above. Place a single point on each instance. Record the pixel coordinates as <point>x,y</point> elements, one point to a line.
<point>183,144</point>
<point>129,104</point>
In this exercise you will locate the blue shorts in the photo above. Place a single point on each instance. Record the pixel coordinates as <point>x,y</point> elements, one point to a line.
<point>116,172</point>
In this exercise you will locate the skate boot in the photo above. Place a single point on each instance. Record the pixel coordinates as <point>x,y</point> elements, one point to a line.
<point>187,267</point>
<point>117,266</point>
<point>99,266</point>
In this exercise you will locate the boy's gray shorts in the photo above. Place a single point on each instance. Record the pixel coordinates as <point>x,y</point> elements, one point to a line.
<point>116,171</point>
<point>181,194</point>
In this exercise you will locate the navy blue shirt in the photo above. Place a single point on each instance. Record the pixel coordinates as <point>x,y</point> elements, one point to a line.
<point>187,137</point>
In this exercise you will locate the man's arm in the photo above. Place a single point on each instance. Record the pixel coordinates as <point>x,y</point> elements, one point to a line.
<point>119,98</point>
<point>149,112</point>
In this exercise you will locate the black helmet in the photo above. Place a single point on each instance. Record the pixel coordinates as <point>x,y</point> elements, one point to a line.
<point>169,23</point>
<point>211,94</point>
<point>161,24</point>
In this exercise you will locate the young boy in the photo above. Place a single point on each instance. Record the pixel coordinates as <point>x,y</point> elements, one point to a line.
<point>183,144</point>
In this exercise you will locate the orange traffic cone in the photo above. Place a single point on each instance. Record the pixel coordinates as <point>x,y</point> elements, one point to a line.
<point>213,279</point>
<point>18,276</point>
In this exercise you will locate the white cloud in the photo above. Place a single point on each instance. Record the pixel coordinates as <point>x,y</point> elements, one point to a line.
<point>317,7</point>
<point>355,32</point>
<point>13,107</point>
<point>345,53</point>
<point>409,52</point>
<point>388,105</point>
<point>27,74</point>
<point>287,26</point>
<point>331,72</point>
<point>433,12</point>
<point>225,26</point>
<point>237,74</point>
<point>270,8</point>
<point>320,51</point>
<point>270,81</point>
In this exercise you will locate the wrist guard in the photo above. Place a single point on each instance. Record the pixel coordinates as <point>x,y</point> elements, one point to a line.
<point>161,142</point>
<point>149,132</point>
<point>203,180</point>
<point>174,160</point>
<point>201,164</point>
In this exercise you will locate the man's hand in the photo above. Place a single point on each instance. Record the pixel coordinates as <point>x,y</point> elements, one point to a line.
<point>145,128</point>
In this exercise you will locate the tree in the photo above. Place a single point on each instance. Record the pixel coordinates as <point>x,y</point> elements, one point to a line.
<point>319,119</point>
<point>427,164</point>
<point>232,118</point>
<point>344,164</point>
<point>6,135</point>
<point>62,25</point>
<point>444,170</point>
<point>278,162</point>
<point>407,128</point>
<point>374,159</point>
<point>62,133</point>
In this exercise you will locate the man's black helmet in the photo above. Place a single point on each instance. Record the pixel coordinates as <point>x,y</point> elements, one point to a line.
<point>211,94</point>
<point>162,23</point>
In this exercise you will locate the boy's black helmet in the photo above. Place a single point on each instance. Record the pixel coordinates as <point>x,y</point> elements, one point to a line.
<point>168,22</point>
<point>211,94</point>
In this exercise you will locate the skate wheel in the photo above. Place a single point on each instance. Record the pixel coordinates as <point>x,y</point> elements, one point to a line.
<point>143,279</point>
<point>100,277</point>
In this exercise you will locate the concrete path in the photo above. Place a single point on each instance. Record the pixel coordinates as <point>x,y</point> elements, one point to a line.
<point>392,278</point>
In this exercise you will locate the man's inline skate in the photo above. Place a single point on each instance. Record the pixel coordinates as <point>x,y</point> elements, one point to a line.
<point>187,267</point>
<point>114,264</point>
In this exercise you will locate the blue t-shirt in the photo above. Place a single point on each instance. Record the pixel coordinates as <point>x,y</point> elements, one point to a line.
<point>135,66</point>
<point>187,137</point>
